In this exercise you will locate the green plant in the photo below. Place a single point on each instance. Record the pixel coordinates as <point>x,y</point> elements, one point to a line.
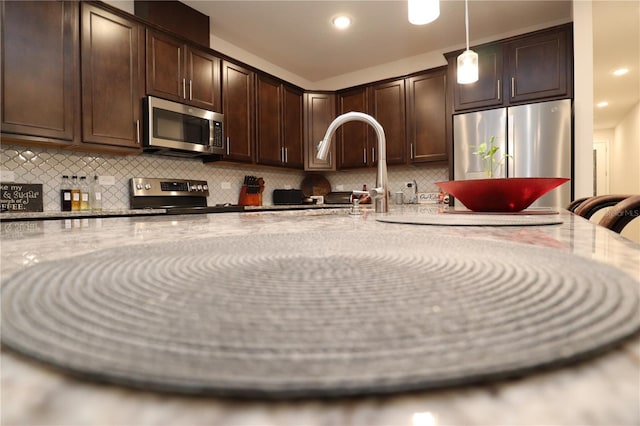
<point>487,154</point>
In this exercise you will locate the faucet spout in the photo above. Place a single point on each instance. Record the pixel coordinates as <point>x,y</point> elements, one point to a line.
<point>380,194</point>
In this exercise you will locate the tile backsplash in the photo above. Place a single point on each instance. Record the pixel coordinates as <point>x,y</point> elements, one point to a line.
<point>46,166</point>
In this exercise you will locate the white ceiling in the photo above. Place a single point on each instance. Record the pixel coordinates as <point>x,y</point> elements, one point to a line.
<point>296,36</point>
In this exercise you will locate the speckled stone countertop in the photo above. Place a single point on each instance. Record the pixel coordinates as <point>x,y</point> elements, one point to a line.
<point>601,391</point>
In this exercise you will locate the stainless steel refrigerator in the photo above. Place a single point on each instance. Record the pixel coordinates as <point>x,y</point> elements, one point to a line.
<point>537,137</point>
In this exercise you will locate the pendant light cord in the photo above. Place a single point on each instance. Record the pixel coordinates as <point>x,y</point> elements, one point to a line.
<point>466,20</point>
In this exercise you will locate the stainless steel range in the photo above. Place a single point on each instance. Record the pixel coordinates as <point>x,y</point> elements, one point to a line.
<point>177,196</point>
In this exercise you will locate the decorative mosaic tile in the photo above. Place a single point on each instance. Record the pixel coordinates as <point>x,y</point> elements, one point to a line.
<point>46,166</point>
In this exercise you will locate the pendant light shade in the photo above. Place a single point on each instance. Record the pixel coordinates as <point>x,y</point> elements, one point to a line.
<point>423,11</point>
<point>468,60</point>
<point>468,67</point>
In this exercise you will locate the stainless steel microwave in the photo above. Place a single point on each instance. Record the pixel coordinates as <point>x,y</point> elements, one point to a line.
<point>172,128</point>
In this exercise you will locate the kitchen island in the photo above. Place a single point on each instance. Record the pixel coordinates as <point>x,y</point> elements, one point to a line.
<point>600,390</point>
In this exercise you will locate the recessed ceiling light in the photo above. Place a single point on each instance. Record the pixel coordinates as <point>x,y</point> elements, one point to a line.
<point>602,104</point>
<point>621,71</point>
<point>341,22</point>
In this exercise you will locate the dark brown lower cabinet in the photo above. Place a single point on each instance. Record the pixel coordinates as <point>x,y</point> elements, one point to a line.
<point>112,52</point>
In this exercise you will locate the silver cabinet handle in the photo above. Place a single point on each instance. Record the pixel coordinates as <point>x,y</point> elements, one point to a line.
<point>330,161</point>
<point>364,155</point>
<point>373,155</point>
<point>184,88</point>
<point>513,86</point>
<point>411,152</point>
<point>499,94</point>
<point>138,132</point>
<point>190,90</point>
<point>228,145</point>
<point>286,155</point>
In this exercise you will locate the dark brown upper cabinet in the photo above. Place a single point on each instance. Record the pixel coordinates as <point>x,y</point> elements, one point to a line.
<point>238,108</point>
<point>538,66</point>
<point>293,127</point>
<point>487,91</point>
<point>112,68</point>
<point>531,67</point>
<point>182,73</point>
<point>387,106</point>
<point>40,93</point>
<point>279,130</point>
<point>427,114</point>
<point>319,112</point>
<point>352,138</point>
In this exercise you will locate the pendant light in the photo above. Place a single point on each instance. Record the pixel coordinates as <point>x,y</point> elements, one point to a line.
<point>423,11</point>
<point>468,60</point>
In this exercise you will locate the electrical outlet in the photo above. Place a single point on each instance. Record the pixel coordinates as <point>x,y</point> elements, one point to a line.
<point>106,180</point>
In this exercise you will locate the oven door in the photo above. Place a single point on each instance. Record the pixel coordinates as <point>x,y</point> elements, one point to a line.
<point>171,127</point>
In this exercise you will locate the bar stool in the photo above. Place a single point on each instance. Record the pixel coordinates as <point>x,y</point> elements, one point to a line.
<point>621,214</point>
<point>590,206</point>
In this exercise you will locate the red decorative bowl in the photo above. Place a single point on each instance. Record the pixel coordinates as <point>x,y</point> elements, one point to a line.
<point>500,194</point>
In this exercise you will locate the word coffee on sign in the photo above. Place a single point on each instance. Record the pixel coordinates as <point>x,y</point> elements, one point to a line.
<point>21,197</point>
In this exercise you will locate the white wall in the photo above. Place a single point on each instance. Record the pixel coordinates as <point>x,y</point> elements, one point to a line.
<point>625,154</point>
<point>583,98</point>
<point>624,162</point>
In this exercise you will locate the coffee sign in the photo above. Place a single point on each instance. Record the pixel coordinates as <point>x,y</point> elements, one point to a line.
<point>21,197</point>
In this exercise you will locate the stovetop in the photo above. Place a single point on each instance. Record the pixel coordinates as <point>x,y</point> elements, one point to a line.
<point>176,196</point>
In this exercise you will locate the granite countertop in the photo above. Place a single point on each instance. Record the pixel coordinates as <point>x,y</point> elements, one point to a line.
<point>48,215</point>
<point>600,391</point>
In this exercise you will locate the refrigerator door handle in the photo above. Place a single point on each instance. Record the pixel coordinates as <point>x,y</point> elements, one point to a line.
<point>510,172</point>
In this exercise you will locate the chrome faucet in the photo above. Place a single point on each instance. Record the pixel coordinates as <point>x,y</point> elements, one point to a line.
<point>379,194</point>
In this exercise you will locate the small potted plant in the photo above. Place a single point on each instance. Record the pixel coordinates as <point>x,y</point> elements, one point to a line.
<point>487,155</point>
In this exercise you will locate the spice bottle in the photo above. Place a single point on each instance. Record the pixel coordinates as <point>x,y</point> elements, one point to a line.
<point>96,195</point>
<point>75,193</point>
<point>84,193</point>
<point>65,194</point>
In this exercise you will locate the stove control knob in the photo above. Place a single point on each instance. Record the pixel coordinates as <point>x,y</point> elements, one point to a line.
<point>199,187</point>
<point>147,186</point>
<point>205,187</point>
<point>138,186</point>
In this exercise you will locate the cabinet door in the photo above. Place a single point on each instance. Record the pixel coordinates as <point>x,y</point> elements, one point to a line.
<point>320,110</point>
<point>165,57</point>
<point>292,128</point>
<point>112,64</point>
<point>203,73</point>
<point>427,116</point>
<point>485,92</point>
<point>237,98</point>
<point>388,108</point>
<point>39,68</point>
<point>538,67</point>
<point>353,137</point>
<point>269,149</point>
